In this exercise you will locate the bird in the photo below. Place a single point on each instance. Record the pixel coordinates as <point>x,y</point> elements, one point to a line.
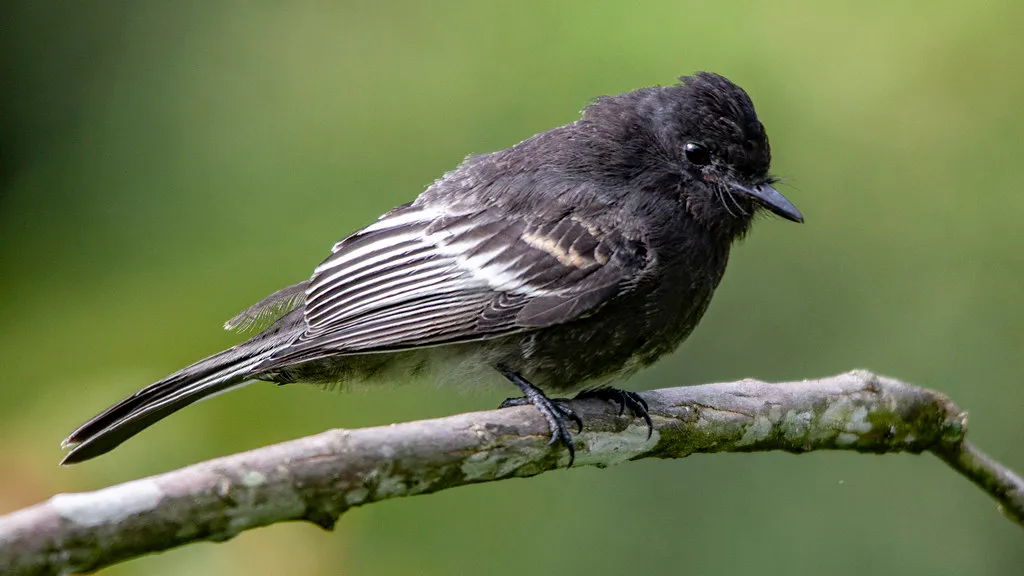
<point>563,263</point>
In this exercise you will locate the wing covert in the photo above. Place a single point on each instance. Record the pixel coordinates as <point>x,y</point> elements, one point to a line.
<point>421,277</point>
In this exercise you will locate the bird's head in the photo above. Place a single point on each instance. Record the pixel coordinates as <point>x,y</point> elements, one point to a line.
<point>721,149</point>
<point>701,139</point>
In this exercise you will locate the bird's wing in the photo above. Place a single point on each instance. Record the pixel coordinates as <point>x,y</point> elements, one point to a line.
<point>257,317</point>
<point>422,276</point>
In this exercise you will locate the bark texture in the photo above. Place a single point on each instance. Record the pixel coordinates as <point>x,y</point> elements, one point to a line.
<point>319,477</point>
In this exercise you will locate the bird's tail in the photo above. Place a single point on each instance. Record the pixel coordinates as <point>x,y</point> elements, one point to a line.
<point>218,373</point>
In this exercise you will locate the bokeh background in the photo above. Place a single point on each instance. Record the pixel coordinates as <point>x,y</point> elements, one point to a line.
<point>164,165</point>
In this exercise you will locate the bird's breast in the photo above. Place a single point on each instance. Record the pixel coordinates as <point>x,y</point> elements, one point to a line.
<point>628,333</point>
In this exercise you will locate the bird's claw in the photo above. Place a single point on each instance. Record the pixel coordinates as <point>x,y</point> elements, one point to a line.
<point>625,399</point>
<point>558,404</point>
<point>555,412</point>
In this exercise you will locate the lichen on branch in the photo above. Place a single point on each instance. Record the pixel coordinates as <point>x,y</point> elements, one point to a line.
<point>319,477</point>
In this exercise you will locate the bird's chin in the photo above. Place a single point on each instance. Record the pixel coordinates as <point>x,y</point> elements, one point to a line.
<point>722,213</point>
<point>734,207</point>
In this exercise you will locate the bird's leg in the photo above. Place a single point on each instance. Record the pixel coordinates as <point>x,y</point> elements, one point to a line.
<point>554,412</point>
<point>625,399</point>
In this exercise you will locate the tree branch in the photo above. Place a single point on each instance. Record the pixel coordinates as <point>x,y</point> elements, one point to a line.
<point>319,477</point>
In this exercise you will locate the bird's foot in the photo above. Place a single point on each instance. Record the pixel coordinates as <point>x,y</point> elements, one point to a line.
<point>554,411</point>
<point>625,399</point>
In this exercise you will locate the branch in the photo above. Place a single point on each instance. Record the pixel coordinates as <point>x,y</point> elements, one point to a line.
<point>319,477</point>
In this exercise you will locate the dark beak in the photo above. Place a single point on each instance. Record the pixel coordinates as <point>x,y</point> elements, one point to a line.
<point>770,198</point>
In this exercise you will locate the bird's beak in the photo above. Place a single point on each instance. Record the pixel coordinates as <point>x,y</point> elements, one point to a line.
<point>770,198</point>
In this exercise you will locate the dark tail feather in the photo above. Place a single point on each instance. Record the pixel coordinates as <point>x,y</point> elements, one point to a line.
<point>130,416</point>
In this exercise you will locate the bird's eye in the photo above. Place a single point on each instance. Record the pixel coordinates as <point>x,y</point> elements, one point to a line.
<point>697,153</point>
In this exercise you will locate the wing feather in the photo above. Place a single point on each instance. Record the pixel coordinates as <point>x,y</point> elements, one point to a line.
<point>423,276</point>
<point>351,300</point>
<point>262,314</point>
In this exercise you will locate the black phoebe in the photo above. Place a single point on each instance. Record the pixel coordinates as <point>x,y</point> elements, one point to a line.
<point>566,261</point>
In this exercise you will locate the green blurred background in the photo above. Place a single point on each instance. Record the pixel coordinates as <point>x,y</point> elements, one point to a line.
<point>164,165</point>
